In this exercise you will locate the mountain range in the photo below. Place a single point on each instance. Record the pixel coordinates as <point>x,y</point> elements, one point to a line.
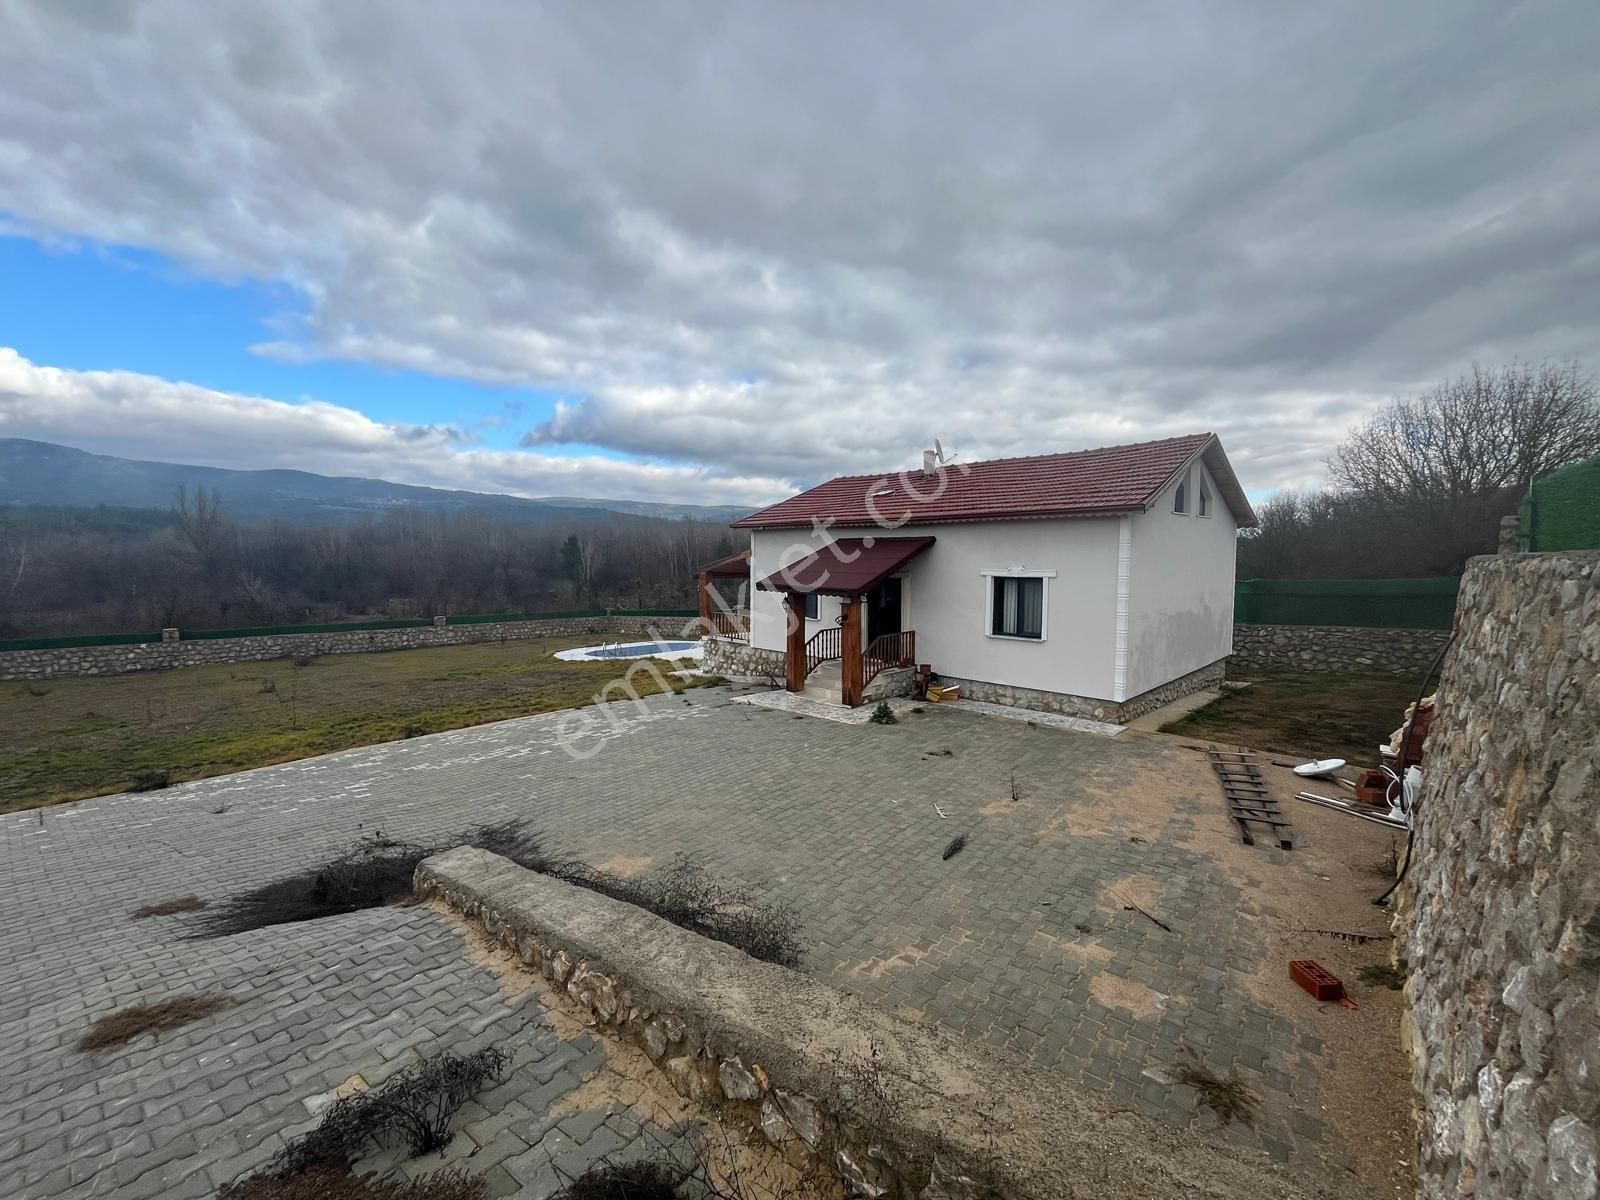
<point>34,472</point>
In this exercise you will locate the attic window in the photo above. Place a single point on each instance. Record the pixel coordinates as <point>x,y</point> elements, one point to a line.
<point>1180,498</point>
<point>1205,500</point>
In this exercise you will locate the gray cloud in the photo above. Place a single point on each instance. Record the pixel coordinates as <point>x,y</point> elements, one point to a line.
<point>780,242</point>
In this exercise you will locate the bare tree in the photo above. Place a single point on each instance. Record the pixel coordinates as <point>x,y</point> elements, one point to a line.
<point>1474,436</point>
<point>1449,464</point>
<point>202,529</point>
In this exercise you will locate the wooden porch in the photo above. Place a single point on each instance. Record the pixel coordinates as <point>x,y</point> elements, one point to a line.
<point>717,616</point>
<point>854,570</point>
<point>885,652</point>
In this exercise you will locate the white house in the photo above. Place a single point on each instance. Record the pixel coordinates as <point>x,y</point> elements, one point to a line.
<point>1097,583</point>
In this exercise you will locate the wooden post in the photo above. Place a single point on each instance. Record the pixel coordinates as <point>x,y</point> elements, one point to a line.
<point>705,603</point>
<point>851,668</point>
<point>794,661</point>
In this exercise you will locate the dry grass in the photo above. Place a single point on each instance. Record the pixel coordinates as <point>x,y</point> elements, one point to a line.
<point>1229,1098</point>
<point>109,733</point>
<point>1309,714</point>
<point>1385,975</point>
<point>128,1023</point>
<point>339,1183</point>
<point>167,908</point>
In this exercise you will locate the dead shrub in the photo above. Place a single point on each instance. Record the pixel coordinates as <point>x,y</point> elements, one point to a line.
<point>416,1105</point>
<point>340,1183</point>
<point>167,908</point>
<point>378,870</point>
<point>126,1024</point>
<point>1229,1098</point>
<point>626,1181</point>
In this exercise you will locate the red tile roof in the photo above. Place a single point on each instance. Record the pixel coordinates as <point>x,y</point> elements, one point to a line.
<point>1084,483</point>
<point>848,567</point>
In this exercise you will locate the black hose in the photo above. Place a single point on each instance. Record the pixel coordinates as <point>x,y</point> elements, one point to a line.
<point>1405,750</point>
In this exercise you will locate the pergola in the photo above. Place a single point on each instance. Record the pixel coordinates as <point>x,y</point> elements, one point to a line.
<point>715,617</point>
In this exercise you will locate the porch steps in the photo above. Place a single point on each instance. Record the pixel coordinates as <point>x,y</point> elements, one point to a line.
<point>824,685</point>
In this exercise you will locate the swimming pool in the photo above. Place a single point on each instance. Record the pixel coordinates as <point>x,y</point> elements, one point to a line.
<point>654,649</point>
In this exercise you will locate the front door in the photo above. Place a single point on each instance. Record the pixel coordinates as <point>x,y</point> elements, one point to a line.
<point>883,610</point>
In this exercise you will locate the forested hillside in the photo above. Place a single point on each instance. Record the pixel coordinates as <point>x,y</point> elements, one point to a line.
<point>110,570</point>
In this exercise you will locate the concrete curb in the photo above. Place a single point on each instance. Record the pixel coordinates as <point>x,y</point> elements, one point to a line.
<point>901,1110</point>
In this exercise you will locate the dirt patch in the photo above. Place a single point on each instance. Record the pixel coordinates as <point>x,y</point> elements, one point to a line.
<point>1091,952</point>
<point>129,1023</point>
<point>1115,992</point>
<point>1362,1085</point>
<point>514,976</point>
<point>1133,889</point>
<point>1138,801</point>
<point>625,864</point>
<point>627,1082</point>
<point>878,967</point>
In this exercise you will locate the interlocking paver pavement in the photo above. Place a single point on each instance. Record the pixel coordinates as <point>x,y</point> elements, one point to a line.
<point>1012,941</point>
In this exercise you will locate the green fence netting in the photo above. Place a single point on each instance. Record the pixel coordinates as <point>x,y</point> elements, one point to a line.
<point>1562,510</point>
<point>190,635</point>
<point>1369,603</point>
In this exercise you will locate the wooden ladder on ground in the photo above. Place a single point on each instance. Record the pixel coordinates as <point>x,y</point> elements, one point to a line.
<point>1248,797</point>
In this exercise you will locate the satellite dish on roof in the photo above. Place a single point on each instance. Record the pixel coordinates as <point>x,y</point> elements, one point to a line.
<point>938,448</point>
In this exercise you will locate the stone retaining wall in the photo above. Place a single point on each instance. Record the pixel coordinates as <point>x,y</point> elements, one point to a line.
<point>62,661</point>
<point>737,657</point>
<point>1336,648</point>
<point>900,1110</point>
<point>1207,678</point>
<point>1087,706</point>
<point>1503,925</point>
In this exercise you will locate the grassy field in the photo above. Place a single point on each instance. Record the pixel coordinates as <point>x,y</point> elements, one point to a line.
<point>1307,714</point>
<point>70,738</point>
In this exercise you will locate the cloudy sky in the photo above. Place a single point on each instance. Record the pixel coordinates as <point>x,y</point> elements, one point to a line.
<point>706,251</point>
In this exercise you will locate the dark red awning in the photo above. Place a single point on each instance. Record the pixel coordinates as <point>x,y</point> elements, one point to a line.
<point>849,567</point>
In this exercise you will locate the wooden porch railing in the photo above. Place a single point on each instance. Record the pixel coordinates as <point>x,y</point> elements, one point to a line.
<point>826,643</point>
<point>728,624</point>
<point>889,651</point>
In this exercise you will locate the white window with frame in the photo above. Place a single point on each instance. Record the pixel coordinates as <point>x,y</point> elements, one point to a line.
<point>1017,604</point>
<point>1203,509</point>
<point>1180,496</point>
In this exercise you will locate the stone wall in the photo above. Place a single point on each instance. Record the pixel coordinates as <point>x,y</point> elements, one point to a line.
<point>737,657</point>
<point>1336,648</point>
<point>1087,706</point>
<point>61,661</point>
<point>1206,678</point>
<point>1502,928</point>
<point>899,1109</point>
